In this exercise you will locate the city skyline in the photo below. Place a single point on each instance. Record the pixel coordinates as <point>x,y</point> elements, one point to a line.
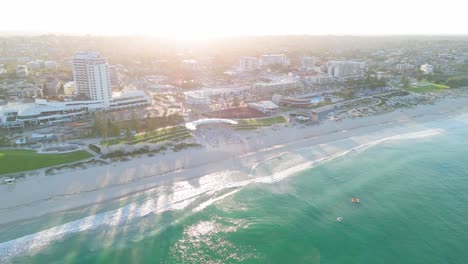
<point>211,19</point>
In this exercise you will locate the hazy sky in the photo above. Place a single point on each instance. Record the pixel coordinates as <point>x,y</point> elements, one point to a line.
<point>214,18</point>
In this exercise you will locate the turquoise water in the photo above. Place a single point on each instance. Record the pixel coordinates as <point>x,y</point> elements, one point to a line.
<point>316,99</point>
<point>414,209</point>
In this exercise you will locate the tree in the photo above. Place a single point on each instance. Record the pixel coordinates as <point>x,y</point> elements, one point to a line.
<point>61,88</point>
<point>457,81</point>
<point>235,101</point>
<point>3,93</point>
<point>405,82</point>
<point>134,121</point>
<point>100,125</point>
<point>128,134</point>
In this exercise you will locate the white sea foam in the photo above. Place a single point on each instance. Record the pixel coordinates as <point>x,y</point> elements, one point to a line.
<point>177,197</point>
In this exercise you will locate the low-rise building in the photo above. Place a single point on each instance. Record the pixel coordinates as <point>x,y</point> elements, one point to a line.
<point>267,107</point>
<point>21,89</point>
<point>275,85</point>
<point>33,65</point>
<point>427,69</point>
<point>21,71</point>
<point>287,101</point>
<point>69,88</point>
<point>192,65</point>
<point>319,79</point>
<point>50,65</point>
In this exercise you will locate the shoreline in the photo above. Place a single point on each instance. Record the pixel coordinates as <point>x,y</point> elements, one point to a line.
<point>133,179</point>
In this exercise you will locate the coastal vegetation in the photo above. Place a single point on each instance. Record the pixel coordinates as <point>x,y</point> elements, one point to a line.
<point>122,154</point>
<point>140,151</point>
<point>457,81</point>
<point>24,160</point>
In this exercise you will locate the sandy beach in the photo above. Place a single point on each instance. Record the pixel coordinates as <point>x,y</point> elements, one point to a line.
<point>40,194</point>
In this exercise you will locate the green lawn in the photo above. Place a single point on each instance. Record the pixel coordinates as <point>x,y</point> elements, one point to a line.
<point>24,160</point>
<point>427,88</point>
<point>251,124</point>
<point>166,133</point>
<point>268,120</point>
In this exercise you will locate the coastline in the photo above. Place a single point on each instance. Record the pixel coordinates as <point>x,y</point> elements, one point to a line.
<point>81,188</point>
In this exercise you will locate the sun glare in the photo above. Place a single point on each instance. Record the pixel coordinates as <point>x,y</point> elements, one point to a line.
<point>207,18</point>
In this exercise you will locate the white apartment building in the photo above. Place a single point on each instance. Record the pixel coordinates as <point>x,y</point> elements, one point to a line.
<point>339,69</point>
<point>308,63</point>
<point>249,63</point>
<point>427,69</point>
<point>192,65</point>
<point>91,75</point>
<point>274,59</point>
<point>402,67</point>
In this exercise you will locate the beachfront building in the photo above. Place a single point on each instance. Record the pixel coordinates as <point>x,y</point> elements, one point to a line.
<point>273,59</point>
<point>249,63</point>
<point>427,69</point>
<point>266,107</point>
<point>91,76</point>
<point>287,101</point>
<point>43,111</point>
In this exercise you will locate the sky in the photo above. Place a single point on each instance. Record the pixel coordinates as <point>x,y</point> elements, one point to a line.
<point>219,18</point>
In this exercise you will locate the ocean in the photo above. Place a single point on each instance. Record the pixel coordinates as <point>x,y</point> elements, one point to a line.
<point>414,209</point>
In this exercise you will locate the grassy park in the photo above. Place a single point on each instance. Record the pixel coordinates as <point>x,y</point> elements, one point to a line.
<point>427,87</point>
<point>157,136</point>
<point>23,160</point>
<point>250,124</point>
